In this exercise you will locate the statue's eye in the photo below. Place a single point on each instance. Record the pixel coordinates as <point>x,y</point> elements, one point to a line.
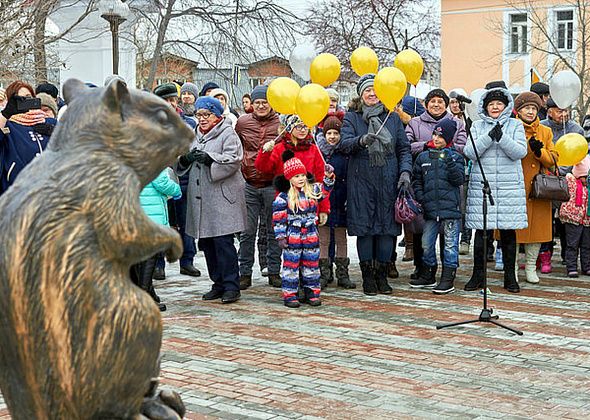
<point>162,117</point>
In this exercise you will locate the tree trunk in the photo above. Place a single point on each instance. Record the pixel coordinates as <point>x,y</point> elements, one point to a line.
<point>39,53</point>
<point>159,43</point>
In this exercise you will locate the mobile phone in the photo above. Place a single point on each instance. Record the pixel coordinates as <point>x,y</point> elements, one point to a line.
<point>24,104</point>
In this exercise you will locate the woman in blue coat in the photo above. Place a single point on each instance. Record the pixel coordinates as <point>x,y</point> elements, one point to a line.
<point>501,145</point>
<point>153,199</point>
<point>380,163</point>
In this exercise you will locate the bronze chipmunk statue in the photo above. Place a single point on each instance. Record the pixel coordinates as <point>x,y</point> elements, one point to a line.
<point>78,339</point>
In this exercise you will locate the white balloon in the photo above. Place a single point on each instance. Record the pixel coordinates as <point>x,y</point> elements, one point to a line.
<point>300,60</point>
<point>473,108</point>
<point>565,88</point>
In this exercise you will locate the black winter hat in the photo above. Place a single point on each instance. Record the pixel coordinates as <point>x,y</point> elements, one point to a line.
<point>495,95</point>
<point>208,86</point>
<point>551,103</point>
<point>540,88</point>
<point>437,93</point>
<point>446,128</point>
<point>166,90</point>
<point>496,84</point>
<point>47,88</point>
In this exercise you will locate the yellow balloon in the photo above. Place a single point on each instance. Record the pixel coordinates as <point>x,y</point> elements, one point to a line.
<point>572,148</point>
<point>411,64</point>
<point>312,104</point>
<point>282,95</point>
<point>364,60</point>
<point>325,69</point>
<point>390,86</point>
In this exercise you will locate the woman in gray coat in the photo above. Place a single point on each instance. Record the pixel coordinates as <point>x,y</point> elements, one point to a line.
<point>501,144</point>
<point>216,198</point>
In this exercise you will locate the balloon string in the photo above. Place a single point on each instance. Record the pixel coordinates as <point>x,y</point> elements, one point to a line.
<point>382,125</point>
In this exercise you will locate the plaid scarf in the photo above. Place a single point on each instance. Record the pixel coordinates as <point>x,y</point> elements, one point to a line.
<point>30,118</point>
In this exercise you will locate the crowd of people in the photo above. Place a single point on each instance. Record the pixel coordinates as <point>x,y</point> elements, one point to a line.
<point>296,193</point>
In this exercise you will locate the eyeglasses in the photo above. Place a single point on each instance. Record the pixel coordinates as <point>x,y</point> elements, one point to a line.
<point>260,104</point>
<point>300,127</point>
<point>203,115</point>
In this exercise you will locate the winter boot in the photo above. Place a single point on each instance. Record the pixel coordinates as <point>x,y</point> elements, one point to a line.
<point>531,252</point>
<point>408,254</point>
<point>392,272</point>
<point>381,269</point>
<point>446,283</point>
<point>274,280</point>
<point>509,252</point>
<point>369,283</point>
<point>426,277</point>
<point>546,262</point>
<point>245,281</point>
<point>476,280</point>
<point>342,273</point>
<point>325,271</point>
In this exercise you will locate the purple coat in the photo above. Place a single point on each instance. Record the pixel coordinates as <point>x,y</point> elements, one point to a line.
<point>420,128</point>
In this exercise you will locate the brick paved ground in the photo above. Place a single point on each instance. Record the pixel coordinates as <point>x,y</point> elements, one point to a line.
<point>379,357</point>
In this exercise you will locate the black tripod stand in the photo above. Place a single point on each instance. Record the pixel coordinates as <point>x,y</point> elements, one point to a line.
<point>486,313</point>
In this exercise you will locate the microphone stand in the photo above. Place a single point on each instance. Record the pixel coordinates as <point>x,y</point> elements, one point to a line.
<point>486,313</point>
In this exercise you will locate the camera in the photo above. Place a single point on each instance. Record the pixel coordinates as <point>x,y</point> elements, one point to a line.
<point>25,104</point>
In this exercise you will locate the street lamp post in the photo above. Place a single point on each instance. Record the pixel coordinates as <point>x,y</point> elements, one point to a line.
<point>115,12</point>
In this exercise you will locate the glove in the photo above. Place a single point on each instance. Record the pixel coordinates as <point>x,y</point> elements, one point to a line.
<point>496,132</point>
<point>283,243</point>
<point>404,181</point>
<point>44,129</point>
<point>203,158</point>
<point>189,158</point>
<point>10,109</point>
<point>268,146</point>
<point>329,171</point>
<point>323,219</point>
<point>367,140</point>
<point>536,146</point>
<point>177,197</point>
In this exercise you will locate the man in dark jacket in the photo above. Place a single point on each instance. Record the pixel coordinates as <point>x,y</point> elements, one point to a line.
<point>439,171</point>
<point>541,89</point>
<point>256,129</point>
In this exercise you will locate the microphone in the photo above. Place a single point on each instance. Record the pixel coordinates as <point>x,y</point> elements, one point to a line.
<point>460,97</point>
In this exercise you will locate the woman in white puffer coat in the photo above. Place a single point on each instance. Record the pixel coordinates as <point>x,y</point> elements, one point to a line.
<point>501,144</point>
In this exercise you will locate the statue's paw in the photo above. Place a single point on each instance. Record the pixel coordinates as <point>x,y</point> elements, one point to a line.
<point>175,251</point>
<point>166,406</point>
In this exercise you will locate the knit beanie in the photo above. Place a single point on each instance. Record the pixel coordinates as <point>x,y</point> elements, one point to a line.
<point>291,121</point>
<point>581,169</point>
<point>190,88</point>
<point>208,86</point>
<point>333,94</point>
<point>540,88</point>
<point>446,128</point>
<point>496,84</point>
<point>527,98</point>
<point>332,123</point>
<point>219,91</point>
<point>366,81</point>
<point>436,93</point>
<point>210,104</point>
<point>48,101</point>
<point>293,167</point>
<point>259,92</point>
<point>496,94</point>
<point>412,106</point>
<point>47,88</point>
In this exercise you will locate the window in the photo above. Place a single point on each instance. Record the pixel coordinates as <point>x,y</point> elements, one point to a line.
<point>518,33</point>
<point>565,29</point>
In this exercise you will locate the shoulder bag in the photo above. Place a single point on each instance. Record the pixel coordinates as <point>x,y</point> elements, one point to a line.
<point>550,186</point>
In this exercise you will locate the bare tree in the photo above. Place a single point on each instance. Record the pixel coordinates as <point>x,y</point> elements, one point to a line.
<point>550,42</point>
<point>387,26</point>
<point>231,31</point>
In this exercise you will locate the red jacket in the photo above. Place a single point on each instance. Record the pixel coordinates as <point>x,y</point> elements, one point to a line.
<point>308,153</point>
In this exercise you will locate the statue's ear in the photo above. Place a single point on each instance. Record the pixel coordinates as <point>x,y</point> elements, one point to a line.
<point>116,96</point>
<point>72,89</point>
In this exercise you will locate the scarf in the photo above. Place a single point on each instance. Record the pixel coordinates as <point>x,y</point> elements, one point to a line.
<point>579,193</point>
<point>530,130</point>
<point>301,144</point>
<point>30,118</point>
<point>383,145</point>
<point>326,148</point>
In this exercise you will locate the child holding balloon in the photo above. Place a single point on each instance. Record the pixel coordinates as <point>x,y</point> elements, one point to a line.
<point>576,219</point>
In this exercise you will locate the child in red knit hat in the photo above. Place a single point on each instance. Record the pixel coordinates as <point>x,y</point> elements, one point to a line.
<point>295,225</point>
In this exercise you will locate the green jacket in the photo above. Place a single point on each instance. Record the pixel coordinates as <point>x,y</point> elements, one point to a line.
<point>154,196</point>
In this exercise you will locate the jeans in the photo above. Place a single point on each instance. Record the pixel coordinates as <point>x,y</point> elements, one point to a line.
<point>451,230</point>
<point>375,247</point>
<point>188,242</point>
<point>257,200</point>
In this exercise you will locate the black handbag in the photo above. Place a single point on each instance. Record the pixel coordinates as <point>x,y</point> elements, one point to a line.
<point>550,186</point>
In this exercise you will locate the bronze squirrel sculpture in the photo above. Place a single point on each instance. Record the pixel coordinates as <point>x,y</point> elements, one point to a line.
<point>78,339</point>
